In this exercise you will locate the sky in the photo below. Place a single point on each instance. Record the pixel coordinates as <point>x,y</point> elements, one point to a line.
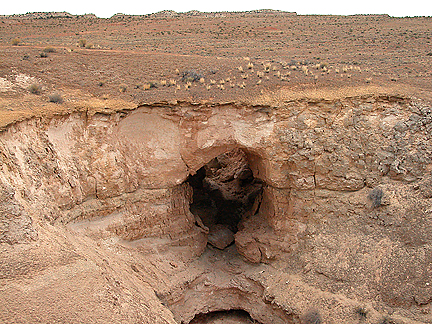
<point>108,8</point>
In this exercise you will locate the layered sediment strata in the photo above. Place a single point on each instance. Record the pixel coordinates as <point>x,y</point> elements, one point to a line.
<point>126,176</point>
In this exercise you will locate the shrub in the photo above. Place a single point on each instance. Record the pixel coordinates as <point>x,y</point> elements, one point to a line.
<point>149,85</point>
<point>49,49</point>
<point>43,54</point>
<point>375,196</point>
<point>311,317</point>
<point>386,320</point>
<point>122,87</point>
<point>55,98</point>
<point>16,41</point>
<point>82,43</point>
<point>362,312</point>
<point>35,88</point>
<point>191,76</point>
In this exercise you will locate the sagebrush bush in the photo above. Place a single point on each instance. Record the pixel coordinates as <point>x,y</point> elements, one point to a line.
<point>386,320</point>
<point>191,76</point>
<point>311,317</point>
<point>122,87</point>
<point>49,49</point>
<point>362,312</point>
<point>55,98</point>
<point>375,196</point>
<point>35,88</point>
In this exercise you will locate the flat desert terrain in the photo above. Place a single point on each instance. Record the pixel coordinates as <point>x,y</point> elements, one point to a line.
<point>258,57</point>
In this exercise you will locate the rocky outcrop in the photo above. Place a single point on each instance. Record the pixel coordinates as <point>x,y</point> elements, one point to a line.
<point>124,176</point>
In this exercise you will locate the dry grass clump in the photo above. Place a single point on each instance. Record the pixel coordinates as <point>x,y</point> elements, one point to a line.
<point>15,41</point>
<point>82,43</point>
<point>150,85</point>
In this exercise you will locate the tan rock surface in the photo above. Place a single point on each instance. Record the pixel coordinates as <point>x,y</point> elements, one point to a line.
<point>329,177</point>
<point>117,183</point>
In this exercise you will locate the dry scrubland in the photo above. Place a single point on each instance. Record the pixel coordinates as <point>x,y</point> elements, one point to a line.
<point>212,57</point>
<point>247,167</point>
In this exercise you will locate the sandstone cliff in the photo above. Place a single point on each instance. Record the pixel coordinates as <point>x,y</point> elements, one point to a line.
<point>96,221</point>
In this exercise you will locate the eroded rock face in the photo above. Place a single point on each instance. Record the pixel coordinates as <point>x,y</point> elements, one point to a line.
<point>123,176</point>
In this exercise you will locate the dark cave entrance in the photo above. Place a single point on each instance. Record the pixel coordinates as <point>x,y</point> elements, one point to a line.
<point>231,316</point>
<point>225,192</point>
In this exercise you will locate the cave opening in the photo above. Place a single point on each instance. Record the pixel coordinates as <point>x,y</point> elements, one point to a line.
<point>225,191</point>
<point>229,316</point>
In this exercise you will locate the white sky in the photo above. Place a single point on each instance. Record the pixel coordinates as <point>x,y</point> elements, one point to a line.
<point>108,8</point>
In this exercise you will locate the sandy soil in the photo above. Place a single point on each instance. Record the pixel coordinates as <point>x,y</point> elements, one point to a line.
<point>268,57</point>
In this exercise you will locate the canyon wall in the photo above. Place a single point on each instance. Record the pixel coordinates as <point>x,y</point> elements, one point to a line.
<point>347,185</point>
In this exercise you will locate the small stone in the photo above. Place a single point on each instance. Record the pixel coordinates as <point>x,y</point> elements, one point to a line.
<point>220,236</point>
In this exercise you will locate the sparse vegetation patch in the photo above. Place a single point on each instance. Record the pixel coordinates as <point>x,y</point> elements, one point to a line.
<point>191,76</point>
<point>56,98</point>
<point>35,88</point>
<point>375,197</point>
